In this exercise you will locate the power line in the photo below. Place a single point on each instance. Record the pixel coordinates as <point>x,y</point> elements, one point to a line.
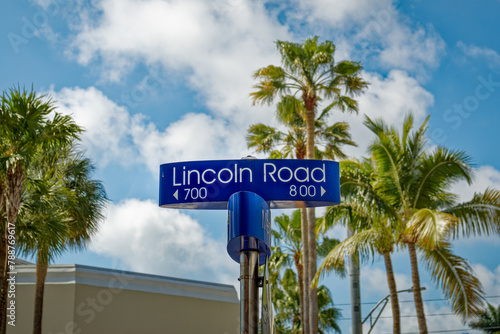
<point>441,331</point>
<point>410,316</point>
<point>409,301</point>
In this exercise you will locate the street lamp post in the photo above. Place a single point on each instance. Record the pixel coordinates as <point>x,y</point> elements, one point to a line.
<point>382,302</point>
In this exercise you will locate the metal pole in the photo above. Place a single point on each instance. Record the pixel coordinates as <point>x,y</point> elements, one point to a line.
<point>249,292</point>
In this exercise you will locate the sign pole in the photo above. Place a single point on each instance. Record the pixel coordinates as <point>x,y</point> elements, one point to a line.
<point>249,292</point>
<point>249,243</point>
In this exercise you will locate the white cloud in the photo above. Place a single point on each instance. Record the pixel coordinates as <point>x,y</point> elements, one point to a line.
<point>376,30</point>
<point>193,137</point>
<point>338,12</point>
<point>215,45</point>
<point>147,238</point>
<point>412,50</point>
<point>106,125</point>
<point>113,135</point>
<point>473,51</point>
<point>390,98</point>
<point>485,177</point>
<point>490,281</point>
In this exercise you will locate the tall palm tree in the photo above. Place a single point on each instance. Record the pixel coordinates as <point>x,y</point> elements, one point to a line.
<point>416,183</point>
<point>61,209</point>
<point>488,320</point>
<point>29,122</point>
<point>369,216</point>
<point>330,142</point>
<point>410,186</point>
<point>310,71</point>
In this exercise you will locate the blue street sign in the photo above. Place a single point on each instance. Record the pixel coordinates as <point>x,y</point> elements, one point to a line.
<point>281,183</point>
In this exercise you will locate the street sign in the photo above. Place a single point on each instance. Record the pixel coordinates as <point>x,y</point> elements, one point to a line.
<point>281,183</point>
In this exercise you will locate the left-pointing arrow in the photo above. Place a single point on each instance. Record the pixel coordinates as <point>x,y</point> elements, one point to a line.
<point>176,194</point>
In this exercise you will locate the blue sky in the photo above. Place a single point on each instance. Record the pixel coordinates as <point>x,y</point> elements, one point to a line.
<point>161,81</point>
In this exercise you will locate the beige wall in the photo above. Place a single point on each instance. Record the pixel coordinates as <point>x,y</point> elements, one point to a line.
<point>80,300</point>
<point>131,312</point>
<point>57,311</point>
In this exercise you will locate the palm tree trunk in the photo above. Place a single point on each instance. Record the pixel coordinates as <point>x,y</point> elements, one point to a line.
<point>300,274</point>
<point>417,294</point>
<point>41,274</point>
<point>396,317</point>
<point>13,191</point>
<point>304,307</point>
<point>313,293</point>
<point>3,283</point>
<point>310,105</point>
<point>357,325</point>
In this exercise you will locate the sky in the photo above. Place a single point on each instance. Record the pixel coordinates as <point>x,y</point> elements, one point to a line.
<point>158,81</point>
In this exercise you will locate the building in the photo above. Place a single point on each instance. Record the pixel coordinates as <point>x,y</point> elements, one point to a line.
<point>82,299</point>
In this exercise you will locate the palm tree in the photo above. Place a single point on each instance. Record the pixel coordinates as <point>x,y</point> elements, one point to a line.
<point>416,184</point>
<point>405,190</point>
<point>488,320</point>
<point>368,215</point>
<point>286,303</point>
<point>310,71</point>
<point>29,122</point>
<point>287,250</point>
<point>61,209</point>
<point>330,140</point>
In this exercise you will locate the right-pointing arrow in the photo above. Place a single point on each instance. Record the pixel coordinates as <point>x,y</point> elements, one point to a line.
<point>323,191</point>
<point>176,194</point>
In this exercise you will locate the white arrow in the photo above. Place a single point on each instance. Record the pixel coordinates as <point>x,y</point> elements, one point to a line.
<point>323,191</point>
<point>176,194</point>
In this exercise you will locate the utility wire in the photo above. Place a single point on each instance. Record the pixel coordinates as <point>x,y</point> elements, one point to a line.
<point>410,316</point>
<point>409,301</point>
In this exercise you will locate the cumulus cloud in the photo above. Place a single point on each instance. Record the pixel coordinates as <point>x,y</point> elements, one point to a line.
<point>390,98</point>
<point>112,134</point>
<point>490,279</point>
<point>193,137</point>
<point>214,46</point>
<point>339,13</point>
<point>376,30</point>
<point>147,238</point>
<point>412,50</point>
<point>106,124</point>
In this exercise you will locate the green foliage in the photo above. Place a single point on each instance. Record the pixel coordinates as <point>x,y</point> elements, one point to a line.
<point>286,253</point>
<point>285,297</point>
<point>309,70</point>
<point>292,144</point>
<point>488,320</point>
<point>29,121</point>
<point>61,205</point>
<point>401,195</point>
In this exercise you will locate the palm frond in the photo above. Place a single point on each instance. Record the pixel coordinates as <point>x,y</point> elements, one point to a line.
<point>429,228</point>
<point>478,217</point>
<point>456,279</point>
